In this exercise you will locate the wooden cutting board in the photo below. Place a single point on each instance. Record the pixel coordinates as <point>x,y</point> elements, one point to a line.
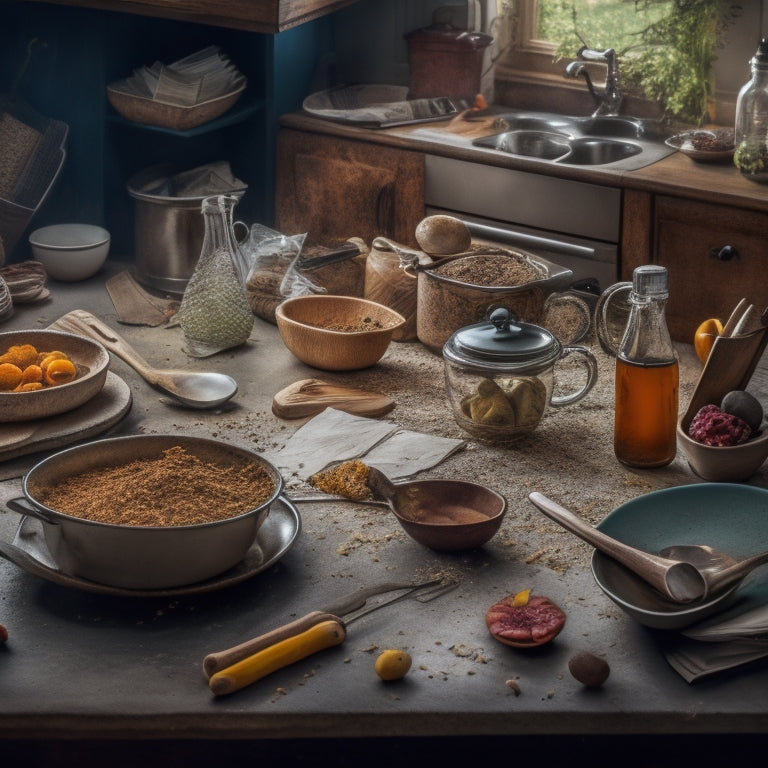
<point>732,360</point>
<point>92,418</point>
<point>309,397</point>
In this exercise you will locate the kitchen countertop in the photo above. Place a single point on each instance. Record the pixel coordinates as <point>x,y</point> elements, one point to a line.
<point>84,668</point>
<point>673,175</point>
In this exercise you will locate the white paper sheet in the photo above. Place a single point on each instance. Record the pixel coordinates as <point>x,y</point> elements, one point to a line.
<point>335,436</point>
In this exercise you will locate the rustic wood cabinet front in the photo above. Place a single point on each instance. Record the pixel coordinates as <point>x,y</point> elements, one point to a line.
<point>333,189</point>
<point>716,255</point>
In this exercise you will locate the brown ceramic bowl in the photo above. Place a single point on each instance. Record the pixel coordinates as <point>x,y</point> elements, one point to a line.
<point>90,359</point>
<point>731,464</point>
<point>448,515</point>
<point>336,333</point>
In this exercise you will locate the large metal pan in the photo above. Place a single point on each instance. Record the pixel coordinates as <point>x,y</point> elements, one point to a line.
<point>141,557</point>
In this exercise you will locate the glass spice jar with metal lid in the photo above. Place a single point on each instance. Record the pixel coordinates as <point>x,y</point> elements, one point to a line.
<point>500,376</point>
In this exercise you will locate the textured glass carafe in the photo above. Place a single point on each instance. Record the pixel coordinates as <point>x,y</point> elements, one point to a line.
<point>214,312</point>
<point>647,377</point>
<point>751,128</point>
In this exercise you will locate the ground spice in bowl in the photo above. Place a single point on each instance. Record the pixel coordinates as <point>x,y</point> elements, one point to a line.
<point>176,488</point>
<point>492,269</point>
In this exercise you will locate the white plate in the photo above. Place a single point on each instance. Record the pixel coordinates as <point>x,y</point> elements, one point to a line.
<point>686,143</point>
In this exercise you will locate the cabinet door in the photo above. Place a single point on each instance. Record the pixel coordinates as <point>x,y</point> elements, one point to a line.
<point>334,188</point>
<point>716,255</point>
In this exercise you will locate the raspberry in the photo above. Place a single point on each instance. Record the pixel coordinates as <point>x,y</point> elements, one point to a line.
<point>713,426</point>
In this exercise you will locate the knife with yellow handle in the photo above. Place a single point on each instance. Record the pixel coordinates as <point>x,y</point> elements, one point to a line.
<point>234,668</point>
<point>281,654</point>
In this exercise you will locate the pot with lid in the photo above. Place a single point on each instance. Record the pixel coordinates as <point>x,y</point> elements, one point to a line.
<point>500,376</point>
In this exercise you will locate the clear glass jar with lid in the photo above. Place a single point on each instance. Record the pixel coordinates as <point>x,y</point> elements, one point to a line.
<point>751,128</point>
<point>499,376</point>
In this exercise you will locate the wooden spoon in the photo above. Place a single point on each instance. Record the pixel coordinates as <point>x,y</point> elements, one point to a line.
<point>679,581</point>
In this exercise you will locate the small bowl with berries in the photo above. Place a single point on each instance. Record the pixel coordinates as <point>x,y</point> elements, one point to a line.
<point>725,441</point>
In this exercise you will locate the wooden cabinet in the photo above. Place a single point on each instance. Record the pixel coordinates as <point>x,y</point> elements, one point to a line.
<point>716,255</point>
<point>253,15</point>
<point>334,188</point>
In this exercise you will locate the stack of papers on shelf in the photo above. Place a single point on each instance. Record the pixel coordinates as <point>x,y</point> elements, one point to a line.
<point>195,79</point>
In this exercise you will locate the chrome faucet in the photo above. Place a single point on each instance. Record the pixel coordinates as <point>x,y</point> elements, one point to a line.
<point>608,98</point>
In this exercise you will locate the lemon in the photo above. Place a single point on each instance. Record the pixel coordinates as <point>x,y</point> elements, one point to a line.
<point>392,664</point>
<point>705,337</point>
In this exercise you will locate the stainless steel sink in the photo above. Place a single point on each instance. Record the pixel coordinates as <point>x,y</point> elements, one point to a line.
<point>599,151</point>
<point>621,142</point>
<point>543,145</point>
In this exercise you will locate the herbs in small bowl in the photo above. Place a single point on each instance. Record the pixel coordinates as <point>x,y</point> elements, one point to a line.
<point>705,145</point>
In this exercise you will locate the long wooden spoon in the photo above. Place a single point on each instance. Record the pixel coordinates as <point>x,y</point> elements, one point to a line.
<point>677,580</point>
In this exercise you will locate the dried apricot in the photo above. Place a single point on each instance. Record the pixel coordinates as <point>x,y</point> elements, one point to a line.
<point>44,359</point>
<point>32,373</point>
<point>10,377</point>
<point>392,664</point>
<point>20,355</point>
<point>60,372</point>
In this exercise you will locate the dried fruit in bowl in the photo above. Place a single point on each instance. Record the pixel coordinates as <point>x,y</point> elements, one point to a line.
<point>713,426</point>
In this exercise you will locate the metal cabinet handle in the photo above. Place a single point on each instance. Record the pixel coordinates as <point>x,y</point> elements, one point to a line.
<point>726,253</point>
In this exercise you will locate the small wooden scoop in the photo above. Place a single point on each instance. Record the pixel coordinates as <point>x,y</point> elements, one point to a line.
<point>309,397</point>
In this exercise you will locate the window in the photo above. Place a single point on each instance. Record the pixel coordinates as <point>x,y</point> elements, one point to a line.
<point>537,38</point>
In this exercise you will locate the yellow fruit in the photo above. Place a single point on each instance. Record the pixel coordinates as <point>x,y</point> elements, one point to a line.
<point>521,598</point>
<point>705,337</point>
<point>392,665</point>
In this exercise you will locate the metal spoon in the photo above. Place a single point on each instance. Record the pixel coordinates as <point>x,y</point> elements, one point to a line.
<point>718,569</point>
<point>196,389</point>
<point>679,581</point>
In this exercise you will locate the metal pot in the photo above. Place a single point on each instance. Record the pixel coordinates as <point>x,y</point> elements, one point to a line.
<point>444,304</point>
<point>141,557</point>
<point>168,230</point>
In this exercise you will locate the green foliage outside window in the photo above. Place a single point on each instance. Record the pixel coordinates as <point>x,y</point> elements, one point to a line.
<point>665,47</point>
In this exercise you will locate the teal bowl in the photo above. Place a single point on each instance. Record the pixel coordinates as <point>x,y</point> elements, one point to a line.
<point>730,517</point>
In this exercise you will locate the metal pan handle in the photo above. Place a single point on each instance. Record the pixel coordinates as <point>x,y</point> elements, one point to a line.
<point>21,506</point>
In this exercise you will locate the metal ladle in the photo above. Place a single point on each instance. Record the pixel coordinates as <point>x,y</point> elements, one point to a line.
<point>718,569</point>
<point>195,389</point>
<point>677,580</point>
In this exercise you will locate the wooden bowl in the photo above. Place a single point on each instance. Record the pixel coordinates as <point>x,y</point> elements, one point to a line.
<point>336,333</point>
<point>171,116</point>
<point>90,358</point>
<point>448,515</point>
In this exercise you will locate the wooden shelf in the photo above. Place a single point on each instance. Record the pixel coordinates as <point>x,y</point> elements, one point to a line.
<point>266,16</point>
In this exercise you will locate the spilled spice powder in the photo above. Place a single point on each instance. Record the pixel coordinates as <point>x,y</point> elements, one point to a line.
<point>174,489</point>
<point>349,479</point>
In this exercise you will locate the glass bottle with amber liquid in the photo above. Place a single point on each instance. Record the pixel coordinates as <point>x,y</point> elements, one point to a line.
<point>647,376</point>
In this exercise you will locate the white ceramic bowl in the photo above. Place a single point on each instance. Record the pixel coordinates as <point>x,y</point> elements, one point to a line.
<point>729,517</point>
<point>70,252</point>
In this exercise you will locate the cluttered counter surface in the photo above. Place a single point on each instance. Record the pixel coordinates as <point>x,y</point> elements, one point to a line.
<point>83,665</point>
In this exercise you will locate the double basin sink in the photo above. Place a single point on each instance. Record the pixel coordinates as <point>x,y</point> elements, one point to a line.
<point>620,142</point>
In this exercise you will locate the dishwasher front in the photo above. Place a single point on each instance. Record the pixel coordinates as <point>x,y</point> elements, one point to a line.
<point>572,223</point>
